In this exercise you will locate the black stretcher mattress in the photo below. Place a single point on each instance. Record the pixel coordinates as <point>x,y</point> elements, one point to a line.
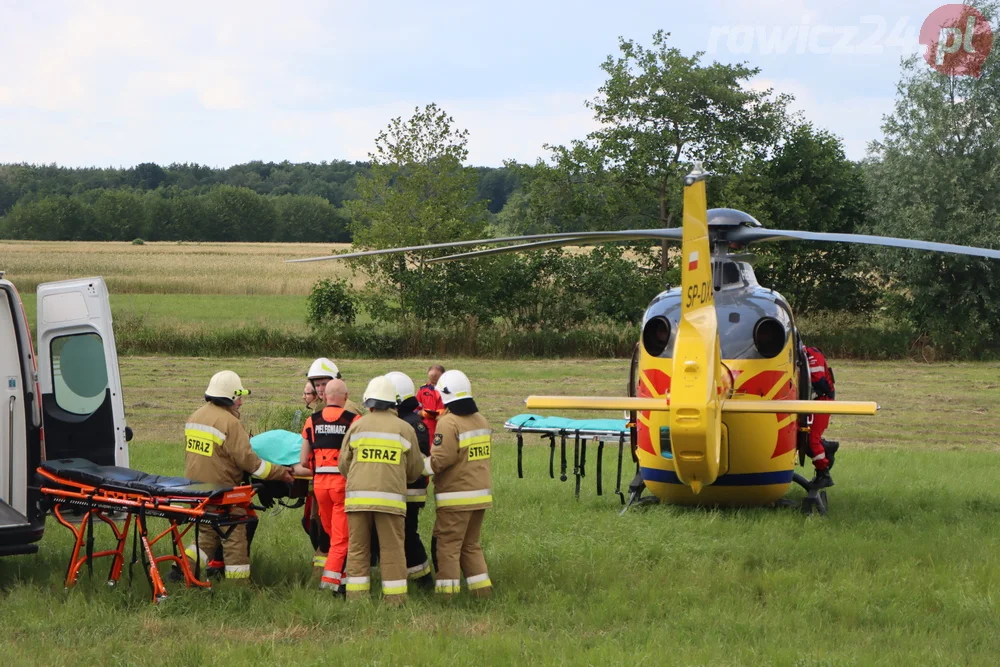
<point>86,472</point>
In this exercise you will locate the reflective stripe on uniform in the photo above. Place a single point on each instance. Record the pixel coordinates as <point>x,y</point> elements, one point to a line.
<point>328,469</point>
<point>319,561</point>
<point>479,581</point>
<point>455,498</point>
<point>380,439</point>
<point>447,586</point>
<point>418,571</point>
<point>819,456</point>
<point>358,583</point>
<point>238,571</point>
<point>480,436</point>
<point>416,495</point>
<point>816,369</point>
<point>394,587</point>
<point>206,432</point>
<point>263,470</point>
<point>330,579</point>
<point>355,498</point>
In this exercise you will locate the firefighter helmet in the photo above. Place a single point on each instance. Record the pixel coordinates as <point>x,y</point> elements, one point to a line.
<point>227,386</point>
<point>404,385</point>
<point>323,368</point>
<point>380,394</point>
<point>454,385</point>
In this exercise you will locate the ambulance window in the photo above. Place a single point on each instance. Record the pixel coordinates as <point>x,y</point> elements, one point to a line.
<point>79,373</point>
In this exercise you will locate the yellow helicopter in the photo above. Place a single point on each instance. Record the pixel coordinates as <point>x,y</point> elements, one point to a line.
<point>721,388</point>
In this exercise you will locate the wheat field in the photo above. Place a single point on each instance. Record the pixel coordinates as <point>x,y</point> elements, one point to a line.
<point>172,267</point>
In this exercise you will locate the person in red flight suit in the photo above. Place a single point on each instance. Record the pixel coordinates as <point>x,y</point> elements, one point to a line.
<point>431,405</point>
<point>821,377</point>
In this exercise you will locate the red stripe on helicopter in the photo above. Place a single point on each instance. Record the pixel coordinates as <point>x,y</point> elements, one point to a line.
<point>693,261</point>
<point>653,383</point>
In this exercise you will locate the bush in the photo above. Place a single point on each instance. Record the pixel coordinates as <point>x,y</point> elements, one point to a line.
<point>138,242</point>
<point>331,302</point>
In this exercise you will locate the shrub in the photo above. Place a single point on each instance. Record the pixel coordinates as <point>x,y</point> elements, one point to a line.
<point>331,302</point>
<point>138,242</point>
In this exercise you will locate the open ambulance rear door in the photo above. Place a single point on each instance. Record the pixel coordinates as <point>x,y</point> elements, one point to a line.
<point>21,522</point>
<point>82,406</point>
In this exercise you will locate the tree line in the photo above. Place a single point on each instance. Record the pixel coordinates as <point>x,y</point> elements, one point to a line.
<point>190,202</point>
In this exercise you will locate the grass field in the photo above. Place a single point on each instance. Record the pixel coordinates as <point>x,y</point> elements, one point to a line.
<point>172,267</point>
<point>903,571</point>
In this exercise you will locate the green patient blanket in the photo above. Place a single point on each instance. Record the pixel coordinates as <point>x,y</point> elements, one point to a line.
<point>278,446</point>
<point>537,421</point>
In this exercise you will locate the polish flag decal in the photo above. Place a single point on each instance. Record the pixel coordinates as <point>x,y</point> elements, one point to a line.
<point>693,261</point>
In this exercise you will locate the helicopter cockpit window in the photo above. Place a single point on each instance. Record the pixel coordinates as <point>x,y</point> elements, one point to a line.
<point>731,274</point>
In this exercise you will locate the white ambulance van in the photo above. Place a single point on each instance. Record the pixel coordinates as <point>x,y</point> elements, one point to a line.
<point>59,398</point>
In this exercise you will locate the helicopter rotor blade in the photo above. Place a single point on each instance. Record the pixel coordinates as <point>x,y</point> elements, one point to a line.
<point>627,235</point>
<point>583,239</point>
<point>745,235</point>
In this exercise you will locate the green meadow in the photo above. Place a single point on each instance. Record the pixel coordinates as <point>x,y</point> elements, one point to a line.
<point>904,570</point>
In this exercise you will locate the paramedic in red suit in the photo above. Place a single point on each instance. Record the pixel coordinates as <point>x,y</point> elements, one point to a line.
<point>821,377</point>
<point>322,438</point>
<point>431,405</point>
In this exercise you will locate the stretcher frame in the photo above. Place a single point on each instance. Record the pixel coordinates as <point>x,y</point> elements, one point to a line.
<point>214,512</point>
<point>580,438</point>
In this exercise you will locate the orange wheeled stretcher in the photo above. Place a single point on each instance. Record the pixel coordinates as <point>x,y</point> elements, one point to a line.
<point>99,491</point>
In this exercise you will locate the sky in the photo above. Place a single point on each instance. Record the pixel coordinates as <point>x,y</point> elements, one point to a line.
<point>112,84</point>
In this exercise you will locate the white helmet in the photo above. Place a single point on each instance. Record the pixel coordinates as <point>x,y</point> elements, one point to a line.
<point>380,394</point>
<point>454,385</point>
<point>404,385</point>
<point>323,368</point>
<point>226,385</point>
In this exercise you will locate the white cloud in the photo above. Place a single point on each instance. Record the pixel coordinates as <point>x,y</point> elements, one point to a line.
<point>855,119</point>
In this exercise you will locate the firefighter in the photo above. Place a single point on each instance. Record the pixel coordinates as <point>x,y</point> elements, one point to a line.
<point>321,442</point>
<point>320,372</point>
<point>309,397</point>
<point>218,452</point>
<point>429,398</point>
<point>418,567</point>
<point>460,463</point>
<point>380,456</point>
<point>821,377</point>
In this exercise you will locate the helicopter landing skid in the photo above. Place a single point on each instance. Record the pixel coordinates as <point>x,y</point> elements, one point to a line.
<point>635,495</point>
<point>815,500</point>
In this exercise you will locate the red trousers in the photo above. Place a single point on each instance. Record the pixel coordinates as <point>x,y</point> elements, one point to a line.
<point>331,513</point>
<point>816,430</point>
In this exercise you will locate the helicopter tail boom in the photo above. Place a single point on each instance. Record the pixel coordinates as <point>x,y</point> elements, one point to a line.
<point>697,392</point>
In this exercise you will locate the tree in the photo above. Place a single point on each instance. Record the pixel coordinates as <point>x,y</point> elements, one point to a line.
<point>935,177</point>
<point>52,218</point>
<point>120,215</point>
<point>659,111</point>
<point>308,218</point>
<point>417,192</point>
<point>238,214</point>
<point>808,184</point>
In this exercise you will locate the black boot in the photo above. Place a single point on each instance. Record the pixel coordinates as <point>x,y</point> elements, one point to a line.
<point>426,582</point>
<point>830,447</point>
<point>822,480</point>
